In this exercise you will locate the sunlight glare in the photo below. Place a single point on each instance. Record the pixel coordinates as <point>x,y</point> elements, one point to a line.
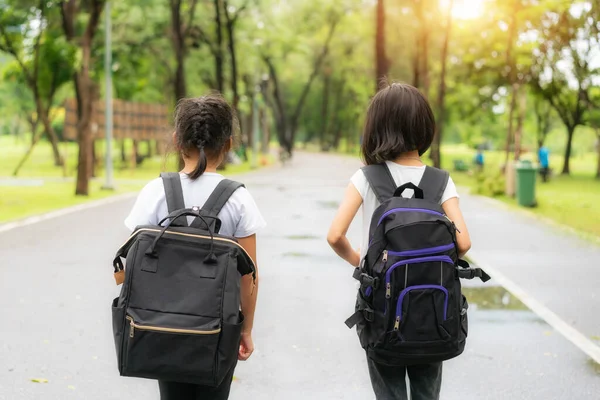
<point>465,9</point>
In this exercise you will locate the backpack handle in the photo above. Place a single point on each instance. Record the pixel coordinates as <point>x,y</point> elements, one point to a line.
<point>409,185</point>
<point>210,258</point>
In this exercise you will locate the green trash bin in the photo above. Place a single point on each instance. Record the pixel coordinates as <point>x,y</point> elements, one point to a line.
<point>526,176</point>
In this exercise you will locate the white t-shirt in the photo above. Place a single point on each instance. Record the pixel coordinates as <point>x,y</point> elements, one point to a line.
<point>240,216</point>
<point>402,174</point>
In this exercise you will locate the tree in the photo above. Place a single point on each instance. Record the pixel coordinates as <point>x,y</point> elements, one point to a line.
<point>563,71</point>
<point>232,15</point>
<point>180,32</point>
<point>381,61</point>
<point>287,119</point>
<point>284,45</point>
<point>543,117</point>
<point>85,90</point>
<point>441,100</point>
<point>42,78</point>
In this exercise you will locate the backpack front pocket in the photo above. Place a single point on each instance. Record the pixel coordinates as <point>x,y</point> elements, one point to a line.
<point>420,313</point>
<point>181,348</point>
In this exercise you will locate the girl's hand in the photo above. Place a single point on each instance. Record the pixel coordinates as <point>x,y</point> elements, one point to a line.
<point>246,346</point>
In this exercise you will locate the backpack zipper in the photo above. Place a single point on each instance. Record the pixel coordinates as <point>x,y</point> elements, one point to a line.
<point>404,209</point>
<point>133,326</point>
<point>418,287</point>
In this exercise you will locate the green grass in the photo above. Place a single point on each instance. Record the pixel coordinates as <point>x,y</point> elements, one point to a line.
<point>57,189</point>
<point>569,200</point>
<point>22,201</point>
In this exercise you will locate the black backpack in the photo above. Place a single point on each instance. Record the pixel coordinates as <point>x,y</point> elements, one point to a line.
<point>178,317</point>
<point>409,308</point>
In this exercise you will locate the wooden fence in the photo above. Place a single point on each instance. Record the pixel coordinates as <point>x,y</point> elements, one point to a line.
<point>130,120</point>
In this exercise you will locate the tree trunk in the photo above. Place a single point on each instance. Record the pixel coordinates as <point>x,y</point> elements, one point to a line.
<point>324,110</point>
<point>381,61</point>
<point>519,129</point>
<point>134,154</point>
<point>43,116</point>
<point>230,25</point>
<point>437,140</point>
<point>266,136</point>
<point>425,58</point>
<point>566,166</point>
<point>36,138</point>
<point>218,50</point>
<point>512,79</point>
<point>511,112</point>
<point>179,48</point>
<point>95,159</point>
<point>84,136</point>
<point>83,84</point>
<point>123,156</point>
<point>180,84</point>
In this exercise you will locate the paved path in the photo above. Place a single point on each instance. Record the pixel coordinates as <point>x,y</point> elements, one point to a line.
<point>56,286</point>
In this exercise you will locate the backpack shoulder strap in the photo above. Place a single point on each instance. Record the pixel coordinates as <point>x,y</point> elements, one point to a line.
<point>215,202</point>
<point>174,194</point>
<point>220,195</point>
<point>433,183</point>
<point>381,181</point>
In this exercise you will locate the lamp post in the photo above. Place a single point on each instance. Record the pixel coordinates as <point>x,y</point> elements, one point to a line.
<point>108,117</point>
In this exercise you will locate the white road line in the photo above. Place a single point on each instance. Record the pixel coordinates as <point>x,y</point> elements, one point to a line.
<point>570,333</point>
<point>64,211</point>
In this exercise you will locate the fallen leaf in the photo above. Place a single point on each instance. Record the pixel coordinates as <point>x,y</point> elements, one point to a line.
<point>71,387</point>
<point>547,333</point>
<point>39,380</point>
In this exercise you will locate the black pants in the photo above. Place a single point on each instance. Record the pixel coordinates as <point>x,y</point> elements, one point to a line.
<point>545,172</point>
<point>389,383</point>
<point>187,391</point>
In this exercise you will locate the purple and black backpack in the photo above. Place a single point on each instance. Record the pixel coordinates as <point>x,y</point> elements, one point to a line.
<point>409,308</point>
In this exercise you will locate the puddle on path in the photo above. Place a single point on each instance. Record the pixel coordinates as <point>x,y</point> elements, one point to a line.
<point>328,204</point>
<point>296,254</point>
<point>492,298</point>
<point>302,237</point>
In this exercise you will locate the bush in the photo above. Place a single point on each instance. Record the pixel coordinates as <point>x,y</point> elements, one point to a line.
<point>489,183</point>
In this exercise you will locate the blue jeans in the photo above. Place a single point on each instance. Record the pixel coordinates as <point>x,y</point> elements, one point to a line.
<point>389,383</point>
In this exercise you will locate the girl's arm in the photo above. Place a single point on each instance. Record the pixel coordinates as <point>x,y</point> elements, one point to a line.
<point>249,291</point>
<point>463,240</point>
<point>339,227</point>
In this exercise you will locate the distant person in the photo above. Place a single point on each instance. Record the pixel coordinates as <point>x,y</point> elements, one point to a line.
<point>204,130</point>
<point>479,159</point>
<point>544,159</point>
<point>399,128</point>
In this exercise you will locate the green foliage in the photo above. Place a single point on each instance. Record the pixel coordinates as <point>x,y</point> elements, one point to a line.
<point>490,183</point>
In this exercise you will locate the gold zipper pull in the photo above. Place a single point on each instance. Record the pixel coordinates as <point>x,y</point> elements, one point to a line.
<point>131,328</point>
<point>385,256</point>
<point>397,324</point>
<point>388,290</point>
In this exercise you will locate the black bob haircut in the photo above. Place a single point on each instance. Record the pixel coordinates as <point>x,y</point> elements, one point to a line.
<point>399,119</point>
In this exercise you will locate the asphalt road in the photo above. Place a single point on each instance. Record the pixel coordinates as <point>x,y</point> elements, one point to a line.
<point>56,286</point>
